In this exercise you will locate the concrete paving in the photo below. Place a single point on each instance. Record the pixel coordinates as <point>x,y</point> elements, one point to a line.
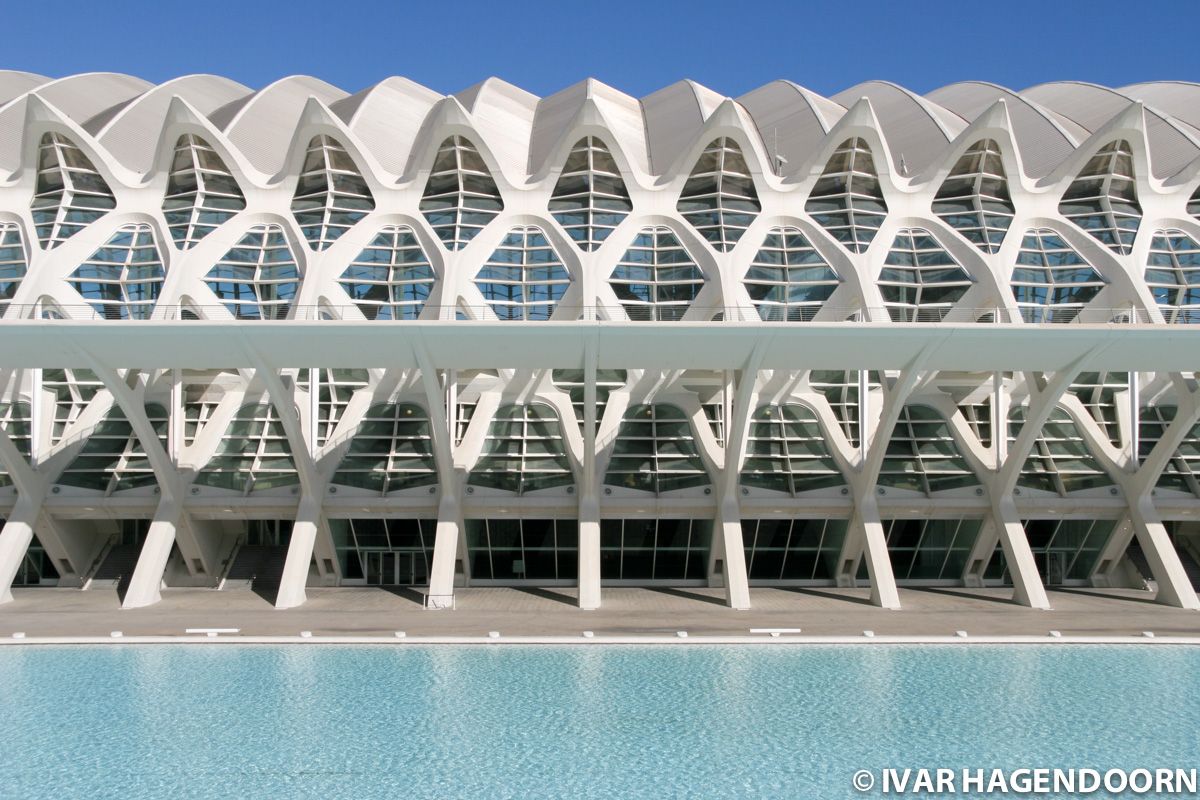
<point>46,612</point>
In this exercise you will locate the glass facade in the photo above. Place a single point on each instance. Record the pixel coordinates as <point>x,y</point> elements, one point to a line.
<point>1180,473</point>
<point>923,456</point>
<point>392,450</point>
<point>112,457</point>
<point>384,552</point>
<point>974,198</point>
<point>254,453</point>
<point>1066,550</point>
<point>930,549</point>
<point>920,281</point>
<point>719,198</point>
<point>656,279</point>
<point>654,549</point>
<point>655,451</point>
<point>1060,460</point>
<point>571,381</point>
<point>202,193</point>
<point>524,451</point>
<point>461,197</point>
<point>1051,282</point>
<point>13,263</point>
<point>258,278</point>
<point>848,199</point>
<point>793,549</point>
<point>523,549</point>
<point>16,420</point>
<point>70,192</point>
<point>331,194</point>
<point>788,279</point>
<point>841,391</point>
<point>1173,275</point>
<point>73,390</point>
<point>1103,199</point>
<point>335,388</point>
<point>1098,392</point>
<point>787,452</point>
<point>122,280</point>
<point>391,278</point>
<point>524,279</point>
<point>590,198</point>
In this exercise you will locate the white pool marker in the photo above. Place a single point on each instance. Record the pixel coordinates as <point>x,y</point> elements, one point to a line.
<point>681,634</point>
<point>775,631</point>
<point>1055,634</point>
<point>400,634</point>
<point>116,634</point>
<point>493,634</point>
<point>869,634</point>
<point>1148,634</point>
<point>774,634</point>
<point>305,634</point>
<point>588,634</point>
<point>961,634</point>
<point>19,635</point>
<point>211,632</point>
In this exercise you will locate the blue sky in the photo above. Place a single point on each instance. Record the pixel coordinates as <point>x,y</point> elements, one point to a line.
<point>727,45</point>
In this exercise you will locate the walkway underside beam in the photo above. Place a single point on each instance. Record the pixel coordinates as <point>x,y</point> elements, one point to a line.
<point>459,344</point>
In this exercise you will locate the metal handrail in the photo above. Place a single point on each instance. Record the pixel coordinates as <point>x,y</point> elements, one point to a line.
<point>227,564</point>
<point>351,312</point>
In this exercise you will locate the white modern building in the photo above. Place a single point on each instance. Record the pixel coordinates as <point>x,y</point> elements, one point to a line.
<point>298,337</point>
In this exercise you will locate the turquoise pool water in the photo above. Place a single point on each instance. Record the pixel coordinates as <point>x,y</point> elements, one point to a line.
<point>188,721</point>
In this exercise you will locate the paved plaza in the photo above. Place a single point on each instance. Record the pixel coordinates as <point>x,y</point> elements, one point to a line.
<point>530,612</point>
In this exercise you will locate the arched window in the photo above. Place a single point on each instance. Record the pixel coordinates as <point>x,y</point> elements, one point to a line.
<point>258,278</point>
<point>524,451</point>
<point>201,192</point>
<point>1103,199</point>
<point>1051,282</point>
<point>847,199</point>
<point>787,452</point>
<point>331,195</point>
<point>461,197</point>
<point>788,279</point>
<point>391,278</point>
<point>70,192</point>
<point>12,262</point>
<point>923,455</point>
<point>974,198</point>
<point>719,198</point>
<point>113,457</point>
<point>1060,460</point>
<point>122,279</point>
<point>655,451</point>
<point>254,453</point>
<point>1173,275</point>
<point>524,279</point>
<point>656,279</point>
<point>391,451</point>
<point>920,280</point>
<point>590,198</point>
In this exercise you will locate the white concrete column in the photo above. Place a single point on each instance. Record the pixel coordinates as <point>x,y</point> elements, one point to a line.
<point>445,550</point>
<point>589,492</point>
<point>1174,587</point>
<point>15,538</point>
<point>867,528</point>
<point>1028,589</point>
<point>729,528</point>
<point>300,552</point>
<point>146,583</point>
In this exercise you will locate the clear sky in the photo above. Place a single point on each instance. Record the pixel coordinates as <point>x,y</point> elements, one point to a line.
<point>731,46</point>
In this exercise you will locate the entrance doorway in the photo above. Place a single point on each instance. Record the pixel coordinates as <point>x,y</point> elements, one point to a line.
<point>395,568</point>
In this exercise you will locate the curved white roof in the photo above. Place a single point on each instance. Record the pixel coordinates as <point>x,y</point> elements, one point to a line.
<point>1049,122</point>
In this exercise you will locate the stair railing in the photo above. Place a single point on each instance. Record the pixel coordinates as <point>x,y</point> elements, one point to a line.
<point>86,578</point>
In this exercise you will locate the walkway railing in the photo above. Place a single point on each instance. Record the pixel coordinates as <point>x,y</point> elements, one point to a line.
<point>1031,314</point>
